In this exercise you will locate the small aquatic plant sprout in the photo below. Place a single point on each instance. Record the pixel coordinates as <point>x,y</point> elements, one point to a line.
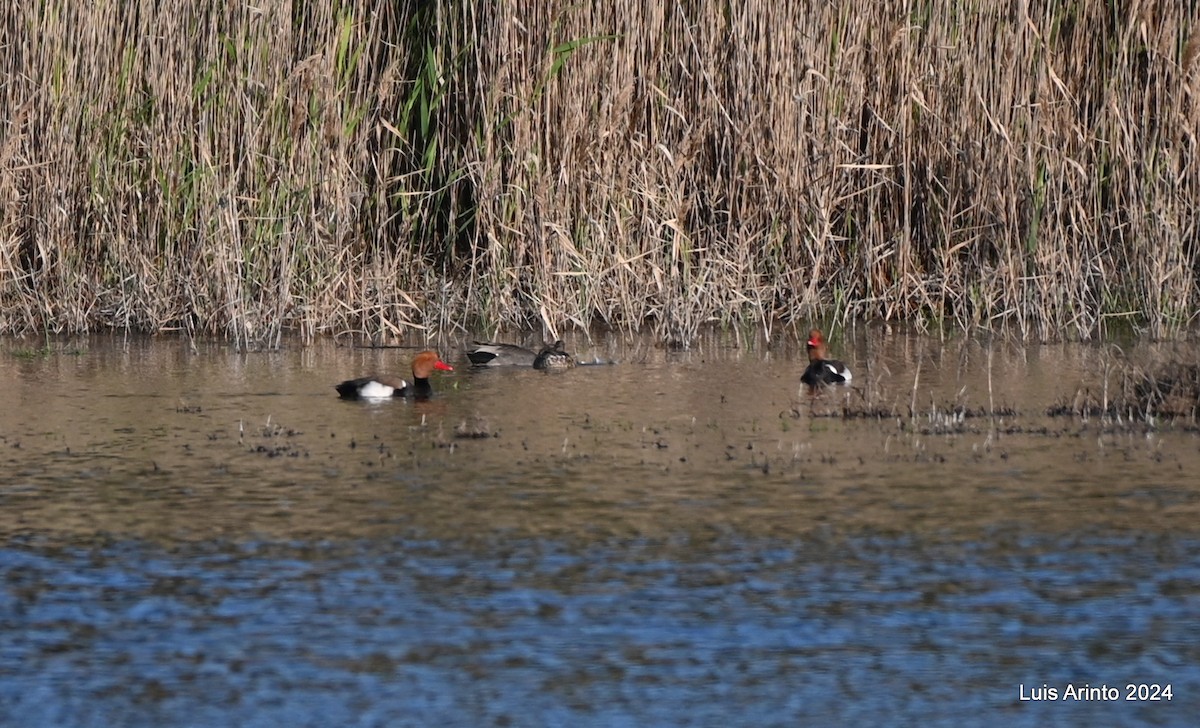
<point>821,369</point>
<point>554,357</point>
<point>385,386</point>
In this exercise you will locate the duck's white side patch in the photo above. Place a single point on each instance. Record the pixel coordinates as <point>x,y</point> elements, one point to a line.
<point>375,390</point>
<point>844,373</point>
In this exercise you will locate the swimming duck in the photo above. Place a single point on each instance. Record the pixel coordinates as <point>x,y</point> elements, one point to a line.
<point>554,357</point>
<point>821,369</point>
<point>488,354</point>
<point>382,387</point>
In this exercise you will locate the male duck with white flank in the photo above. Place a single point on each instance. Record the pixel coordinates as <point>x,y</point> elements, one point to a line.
<point>385,386</point>
<point>821,369</point>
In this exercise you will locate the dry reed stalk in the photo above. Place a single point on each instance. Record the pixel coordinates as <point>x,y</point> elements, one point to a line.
<point>420,167</point>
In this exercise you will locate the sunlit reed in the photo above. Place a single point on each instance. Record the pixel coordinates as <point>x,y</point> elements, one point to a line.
<point>390,168</point>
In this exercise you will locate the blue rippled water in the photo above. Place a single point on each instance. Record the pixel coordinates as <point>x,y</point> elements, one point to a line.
<point>870,631</point>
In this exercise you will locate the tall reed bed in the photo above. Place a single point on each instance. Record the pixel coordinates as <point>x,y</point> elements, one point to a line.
<point>384,166</point>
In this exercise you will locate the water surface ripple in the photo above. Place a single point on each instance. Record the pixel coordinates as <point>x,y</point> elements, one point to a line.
<point>196,536</point>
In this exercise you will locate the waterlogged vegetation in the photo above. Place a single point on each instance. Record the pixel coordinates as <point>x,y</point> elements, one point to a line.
<point>385,167</point>
<point>48,348</point>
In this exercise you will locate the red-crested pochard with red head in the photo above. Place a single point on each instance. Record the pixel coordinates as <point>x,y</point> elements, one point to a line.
<point>821,369</point>
<point>384,386</point>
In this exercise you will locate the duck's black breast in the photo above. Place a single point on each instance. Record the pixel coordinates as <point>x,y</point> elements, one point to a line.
<point>419,389</point>
<point>823,371</point>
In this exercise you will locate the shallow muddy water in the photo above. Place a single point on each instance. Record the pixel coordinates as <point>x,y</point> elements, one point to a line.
<point>196,536</point>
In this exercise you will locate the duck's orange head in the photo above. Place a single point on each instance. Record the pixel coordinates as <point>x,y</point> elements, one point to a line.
<point>816,345</point>
<point>425,362</point>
